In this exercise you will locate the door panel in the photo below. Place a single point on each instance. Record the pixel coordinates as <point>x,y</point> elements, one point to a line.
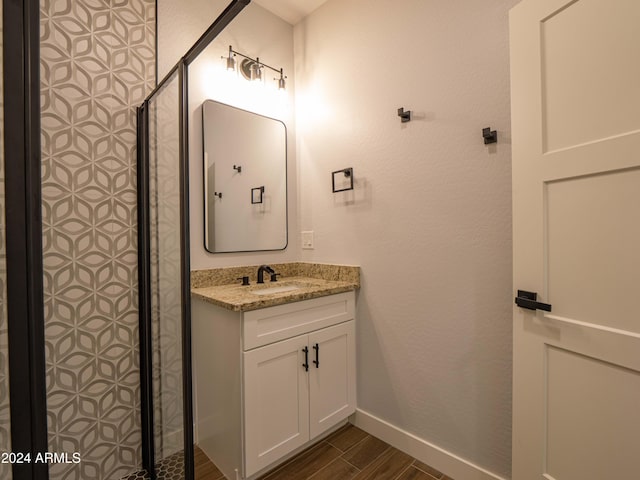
<point>332,381</point>
<point>575,86</point>
<point>593,270</point>
<point>586,395</point>
<point>276,398</point>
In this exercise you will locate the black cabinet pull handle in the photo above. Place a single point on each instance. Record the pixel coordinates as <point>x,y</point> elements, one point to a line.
<point>306,359</point>
<point>316,347</point>
<point>528,300</point>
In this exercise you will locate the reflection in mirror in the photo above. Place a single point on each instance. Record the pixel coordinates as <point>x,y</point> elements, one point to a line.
<point>245,180</point>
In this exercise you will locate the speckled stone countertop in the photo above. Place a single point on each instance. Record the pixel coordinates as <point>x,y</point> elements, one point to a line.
<point>220,286</point>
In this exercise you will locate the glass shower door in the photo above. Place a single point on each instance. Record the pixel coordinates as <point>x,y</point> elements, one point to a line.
<point>165,308</point>
<point>164,270</point>
<point>166,311</point>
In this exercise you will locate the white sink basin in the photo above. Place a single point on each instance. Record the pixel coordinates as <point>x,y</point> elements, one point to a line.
<point>277,289</point>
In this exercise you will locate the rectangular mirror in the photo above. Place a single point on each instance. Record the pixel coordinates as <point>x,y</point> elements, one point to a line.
<point>245,180</point>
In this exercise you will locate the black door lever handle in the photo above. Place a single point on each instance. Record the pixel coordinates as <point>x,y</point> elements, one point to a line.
<point>528,300</point>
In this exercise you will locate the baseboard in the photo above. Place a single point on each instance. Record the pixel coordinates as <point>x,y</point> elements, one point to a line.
<point>440,459</point>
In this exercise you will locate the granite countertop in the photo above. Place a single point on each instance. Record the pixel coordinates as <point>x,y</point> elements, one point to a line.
<point>298,281</point>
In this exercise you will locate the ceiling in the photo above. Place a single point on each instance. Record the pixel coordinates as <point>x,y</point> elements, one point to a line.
<point>290,10</point>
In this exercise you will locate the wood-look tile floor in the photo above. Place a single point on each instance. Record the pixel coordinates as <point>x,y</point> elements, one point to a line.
<point>349,453</point>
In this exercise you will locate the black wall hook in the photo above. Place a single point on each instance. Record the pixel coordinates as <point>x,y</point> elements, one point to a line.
<point>490,136</point>
<point>404,116</point>
<point>237,168</point>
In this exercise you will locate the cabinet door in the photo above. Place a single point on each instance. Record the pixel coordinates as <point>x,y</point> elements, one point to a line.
<point>276,399</point>
<point>332,382</point>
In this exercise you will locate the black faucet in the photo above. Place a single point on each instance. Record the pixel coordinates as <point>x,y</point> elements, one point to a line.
<point>262,269</point>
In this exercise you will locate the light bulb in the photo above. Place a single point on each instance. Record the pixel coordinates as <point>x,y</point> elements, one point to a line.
<point>231,61</point>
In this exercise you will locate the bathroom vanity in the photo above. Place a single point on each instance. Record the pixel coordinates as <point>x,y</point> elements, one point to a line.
<point>274,368</point>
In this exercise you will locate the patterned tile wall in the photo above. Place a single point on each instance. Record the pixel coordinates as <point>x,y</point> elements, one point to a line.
<point>97,65</point>
<point>5,413</point>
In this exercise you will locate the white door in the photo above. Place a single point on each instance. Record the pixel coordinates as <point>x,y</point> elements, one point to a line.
<point>276,399</point>
<point>332,383</point>
<point>575,80</point>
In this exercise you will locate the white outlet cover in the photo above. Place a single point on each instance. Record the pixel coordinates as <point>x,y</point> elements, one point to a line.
<point>307,240</point>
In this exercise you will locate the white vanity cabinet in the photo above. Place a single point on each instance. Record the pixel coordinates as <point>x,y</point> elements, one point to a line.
<point>270,381</point>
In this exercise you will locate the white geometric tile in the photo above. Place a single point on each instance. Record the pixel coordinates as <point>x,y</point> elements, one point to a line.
<point>95,59</point>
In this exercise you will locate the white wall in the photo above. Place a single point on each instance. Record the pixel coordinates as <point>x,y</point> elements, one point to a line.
<point>430,219</point>
<point>255,32</point>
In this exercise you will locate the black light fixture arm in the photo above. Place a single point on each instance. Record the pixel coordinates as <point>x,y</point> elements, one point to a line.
<point>257,61</point>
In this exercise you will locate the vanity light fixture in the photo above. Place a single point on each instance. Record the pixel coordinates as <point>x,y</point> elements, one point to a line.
<point>252,69</point>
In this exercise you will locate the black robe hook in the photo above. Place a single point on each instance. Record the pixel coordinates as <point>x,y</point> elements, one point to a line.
<point>404,116</point>
<point>490,136</point>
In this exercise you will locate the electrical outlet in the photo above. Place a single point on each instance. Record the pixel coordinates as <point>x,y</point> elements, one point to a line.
<point>307,240</point>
